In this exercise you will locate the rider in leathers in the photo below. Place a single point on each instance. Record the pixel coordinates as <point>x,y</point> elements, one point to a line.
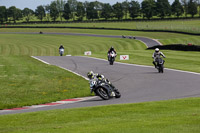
<point>157,55</point>
<point>110,51</point>
<point>91,75</point>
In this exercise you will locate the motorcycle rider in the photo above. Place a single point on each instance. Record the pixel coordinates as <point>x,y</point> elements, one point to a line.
<point>157,55</point>
<point>91,75</point>
<point>110,51</point>
<point>60,48</point>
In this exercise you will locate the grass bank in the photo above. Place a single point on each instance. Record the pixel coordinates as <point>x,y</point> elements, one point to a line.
<point>164,38</point>
<point>172,116</point>
<point>26,81</point>
<point>21,76</point>
<point>190,26</point>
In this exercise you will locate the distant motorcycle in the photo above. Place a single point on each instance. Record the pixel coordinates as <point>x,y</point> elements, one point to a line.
<point>103,89</point>
<point>111,57</point>
<point>61,51</point>
<point>160,64</point>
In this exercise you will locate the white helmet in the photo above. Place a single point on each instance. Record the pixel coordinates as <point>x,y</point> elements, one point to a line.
<point>157,50</point>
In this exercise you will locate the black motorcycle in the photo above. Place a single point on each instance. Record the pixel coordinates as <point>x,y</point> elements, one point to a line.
<point>160,65</point>
<point>103,89</point>
<point>111,58</point>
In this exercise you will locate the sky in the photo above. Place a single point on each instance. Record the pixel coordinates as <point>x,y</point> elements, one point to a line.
<point>32,4</point>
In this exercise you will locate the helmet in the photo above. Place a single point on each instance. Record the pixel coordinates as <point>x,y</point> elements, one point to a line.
<point>111,48</point>
<point>90,74</point>
<point>157,50</point>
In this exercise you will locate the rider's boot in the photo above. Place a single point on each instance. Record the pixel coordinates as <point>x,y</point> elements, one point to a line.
<point>155,64</point>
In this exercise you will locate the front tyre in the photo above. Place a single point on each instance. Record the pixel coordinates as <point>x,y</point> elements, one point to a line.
<point>111,61</point>
<point>102,93</point>
<point>117,94</point>
<point>161,68</point>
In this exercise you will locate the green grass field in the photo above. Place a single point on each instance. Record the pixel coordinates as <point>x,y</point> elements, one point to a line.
<point>189,25</point>
<point>20,73</point>
<point>172,116</point>
<point>164,38</point>
<point>21,76</point>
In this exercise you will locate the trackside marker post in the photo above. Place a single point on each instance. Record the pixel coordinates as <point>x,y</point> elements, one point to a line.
<point>124,57</point>
<point>88,53</point>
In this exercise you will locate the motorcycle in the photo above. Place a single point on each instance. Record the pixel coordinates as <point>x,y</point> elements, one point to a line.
<point>61,51</point>
<point>111,57</point>
<point>160,65</point>
<point>103,89</point>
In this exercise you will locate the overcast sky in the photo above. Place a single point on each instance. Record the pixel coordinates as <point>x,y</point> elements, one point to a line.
<point>32,4</point>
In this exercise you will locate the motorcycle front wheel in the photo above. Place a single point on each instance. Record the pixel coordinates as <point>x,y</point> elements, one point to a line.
<point>161,69</point>
<point>117,94</point>
<point>102,93</point>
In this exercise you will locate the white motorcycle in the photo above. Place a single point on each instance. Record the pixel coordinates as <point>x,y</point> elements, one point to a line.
<point>111,57</point>
<point>61,51</point>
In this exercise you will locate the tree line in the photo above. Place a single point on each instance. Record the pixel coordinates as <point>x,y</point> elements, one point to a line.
<point>76,10</point>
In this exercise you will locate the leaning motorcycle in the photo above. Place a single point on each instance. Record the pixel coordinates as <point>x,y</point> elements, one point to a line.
<point>61,51</point>
<point>160,65</point>
<point>111,57</point>
<point>103,89</point>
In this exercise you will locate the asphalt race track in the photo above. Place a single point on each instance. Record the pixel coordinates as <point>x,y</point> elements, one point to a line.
<point>136,83</point>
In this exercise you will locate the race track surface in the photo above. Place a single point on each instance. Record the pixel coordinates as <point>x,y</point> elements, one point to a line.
<point>136,83</point>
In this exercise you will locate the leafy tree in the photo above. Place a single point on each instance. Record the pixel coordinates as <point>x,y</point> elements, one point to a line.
<point>198,2</point>
<point>73,6</point>
<point>177,8</point>
<point>19,14</point>
<point>67,12</point>
<point>27,13</point>
<point>40,12</point>
<point>199,7</point>
<point>117,11</point>
<point>60,6</point>
<point>47,11</point>
<point>3,14</point>
<point>80,13</point>
<point>106,11</point>
<point>54,13</point>
<point>98,6</point>
<point>91,12</point>
<point>192,7</point>
<point>163,8</point>
<point>185,6</point>
<point>148,8</point>
<point>134,9</point>
<point>14,13</point>
<point>126,8</point>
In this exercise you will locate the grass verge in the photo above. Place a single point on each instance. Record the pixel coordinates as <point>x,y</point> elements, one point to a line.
<point>26,81</point>
<point>172,116</point>
<point>164,38</point>
<point>190,26</point>
<point>21,76</point>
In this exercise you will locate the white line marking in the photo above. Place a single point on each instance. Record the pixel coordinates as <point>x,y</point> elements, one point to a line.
<point>61,67</point>
<point>74,73</point>
<point>40,60</point>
